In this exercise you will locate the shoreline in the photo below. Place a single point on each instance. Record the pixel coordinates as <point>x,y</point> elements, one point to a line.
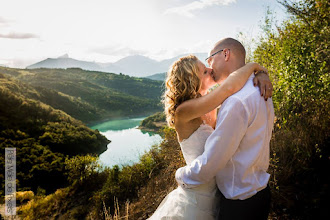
<point>95,122</point>
<point>158,127</point>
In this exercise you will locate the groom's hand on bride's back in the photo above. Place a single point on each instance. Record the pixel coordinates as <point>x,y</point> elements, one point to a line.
<point>262,80</point>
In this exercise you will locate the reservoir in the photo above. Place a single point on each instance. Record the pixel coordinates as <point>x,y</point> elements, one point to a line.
<point>128,142</point>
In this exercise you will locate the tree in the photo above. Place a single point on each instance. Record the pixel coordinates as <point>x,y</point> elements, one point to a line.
<point>296,54</point>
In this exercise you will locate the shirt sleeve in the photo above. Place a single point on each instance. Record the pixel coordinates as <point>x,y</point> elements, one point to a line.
<point>231,127</point>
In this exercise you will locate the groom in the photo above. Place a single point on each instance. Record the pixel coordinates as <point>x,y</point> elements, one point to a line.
<point>237,152</point>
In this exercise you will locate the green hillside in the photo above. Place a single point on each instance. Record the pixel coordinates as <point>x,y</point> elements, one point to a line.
<point>91,96</point>
<point>158,77</point>
<point>43,136</point>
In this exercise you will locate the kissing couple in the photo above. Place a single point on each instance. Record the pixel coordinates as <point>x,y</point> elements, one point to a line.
<point>226,151</point>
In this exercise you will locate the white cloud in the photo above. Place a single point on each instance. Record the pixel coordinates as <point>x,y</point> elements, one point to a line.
<point>202,46</point>
<point>17,62</point>
<point>14,35</point>
<point>117,50</point>
<point>187,10</point>
<point>2,20</point>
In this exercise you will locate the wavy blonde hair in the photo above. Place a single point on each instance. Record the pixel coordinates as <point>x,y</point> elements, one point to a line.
<point>182,83</point>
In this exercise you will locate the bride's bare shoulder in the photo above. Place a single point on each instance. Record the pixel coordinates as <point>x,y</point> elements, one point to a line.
<point>184,129</point>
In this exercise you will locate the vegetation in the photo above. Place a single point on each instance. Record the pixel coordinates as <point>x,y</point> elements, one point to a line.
<point>91,96</point>
<point>94,189</point>
<point>44,138</point>
<point>297,55</point>
<point>154,122</point>
<point>157,76</point>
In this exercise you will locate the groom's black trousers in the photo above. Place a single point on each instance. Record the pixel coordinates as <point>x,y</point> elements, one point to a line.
<point>254,208</point>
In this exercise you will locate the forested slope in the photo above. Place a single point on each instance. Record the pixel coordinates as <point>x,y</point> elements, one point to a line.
<point>92,96</point>
<point>42,136</point>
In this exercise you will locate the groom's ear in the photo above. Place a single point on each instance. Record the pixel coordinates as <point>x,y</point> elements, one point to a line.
<point>227,54</point>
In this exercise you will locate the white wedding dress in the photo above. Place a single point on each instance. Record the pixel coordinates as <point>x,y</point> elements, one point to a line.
<point>199,203</point>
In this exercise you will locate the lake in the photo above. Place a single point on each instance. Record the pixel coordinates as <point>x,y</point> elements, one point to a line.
<point>128,142</point>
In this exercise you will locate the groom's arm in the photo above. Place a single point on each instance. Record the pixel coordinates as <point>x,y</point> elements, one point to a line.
<point>231,126</point>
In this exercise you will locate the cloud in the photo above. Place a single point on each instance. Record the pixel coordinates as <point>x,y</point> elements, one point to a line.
<point>187,10</point>
<point>18,62</point>
<point>4,22</point>
<point>18,35</point>
<point>117,50</point>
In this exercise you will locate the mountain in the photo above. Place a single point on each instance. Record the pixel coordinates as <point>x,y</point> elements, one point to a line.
<point>137,65</point>
<point>63,62</point>
<point>165,64</point>
<point>91,96</point>
<point>64,56</point>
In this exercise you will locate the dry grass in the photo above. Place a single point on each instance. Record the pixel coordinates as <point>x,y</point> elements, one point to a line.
<point>160,184</point>
<point>32,209</point>
<point>117,214</point>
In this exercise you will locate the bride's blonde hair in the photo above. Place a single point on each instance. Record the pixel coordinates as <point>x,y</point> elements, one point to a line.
<point>182,83</point>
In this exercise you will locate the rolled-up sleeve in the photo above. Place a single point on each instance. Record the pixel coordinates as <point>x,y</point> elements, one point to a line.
<point>231,126</point>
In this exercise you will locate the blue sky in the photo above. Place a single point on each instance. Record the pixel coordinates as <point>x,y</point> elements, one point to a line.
<point>108,30</point>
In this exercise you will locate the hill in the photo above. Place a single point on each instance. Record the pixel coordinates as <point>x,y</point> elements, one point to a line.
<point>137,65</point>
<point>91,96</point>
<point>157,76</point>
<point>43,137</point>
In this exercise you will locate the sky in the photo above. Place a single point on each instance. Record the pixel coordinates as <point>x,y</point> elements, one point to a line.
<point>108,30</point>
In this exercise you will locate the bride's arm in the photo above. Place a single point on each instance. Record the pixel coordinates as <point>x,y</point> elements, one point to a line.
<point>197,107</point>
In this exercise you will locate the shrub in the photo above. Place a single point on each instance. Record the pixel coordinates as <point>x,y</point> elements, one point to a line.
<point>297,56</point>
<point>25,196</point>
<point>81,169</point>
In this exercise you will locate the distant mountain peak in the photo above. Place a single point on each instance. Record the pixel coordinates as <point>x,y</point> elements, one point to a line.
<point>64,56</point>
<point>134,65</point>
<point>135,57</point>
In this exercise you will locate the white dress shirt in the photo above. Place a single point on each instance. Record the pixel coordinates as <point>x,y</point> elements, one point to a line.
<point>237,152</point>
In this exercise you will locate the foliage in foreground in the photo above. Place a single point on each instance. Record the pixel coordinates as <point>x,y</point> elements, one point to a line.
<point>97,193</point>
<point>297,55</point>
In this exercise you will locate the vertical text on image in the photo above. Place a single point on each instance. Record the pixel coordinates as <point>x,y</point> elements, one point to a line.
<point>10,181</point>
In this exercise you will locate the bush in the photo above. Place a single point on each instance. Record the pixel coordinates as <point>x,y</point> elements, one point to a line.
<point>81,169</point>
<point>297,56</point>
<point>25,196</point>
<point>43,207</point>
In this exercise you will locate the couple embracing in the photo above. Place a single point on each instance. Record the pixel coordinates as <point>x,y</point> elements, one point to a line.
<point>226,151</point>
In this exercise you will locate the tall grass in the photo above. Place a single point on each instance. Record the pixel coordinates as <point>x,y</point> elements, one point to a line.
<point>116,215</point>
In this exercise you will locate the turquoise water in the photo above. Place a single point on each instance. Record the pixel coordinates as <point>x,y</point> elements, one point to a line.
<point>128,142</point>
<point>118,125</point>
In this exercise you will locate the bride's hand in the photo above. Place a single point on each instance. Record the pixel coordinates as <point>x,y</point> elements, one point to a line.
<point>262,80</point>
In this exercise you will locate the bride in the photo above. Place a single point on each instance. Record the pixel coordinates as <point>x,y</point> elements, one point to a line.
<point>187,84</point>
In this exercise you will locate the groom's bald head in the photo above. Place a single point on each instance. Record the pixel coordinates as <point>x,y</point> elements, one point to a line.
<point>237,49</point>
<point>226,56</point>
